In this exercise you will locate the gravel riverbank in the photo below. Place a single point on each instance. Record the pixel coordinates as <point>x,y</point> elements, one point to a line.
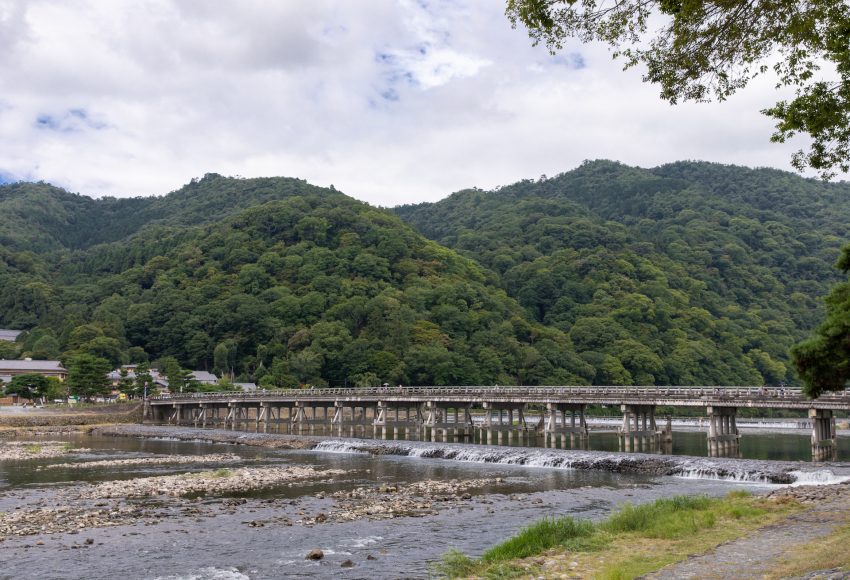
<point>218,482</point>
<point>26,450</point>
<point>213,458</point>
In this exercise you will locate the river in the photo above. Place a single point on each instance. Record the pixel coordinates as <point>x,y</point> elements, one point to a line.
<point>200,538</point>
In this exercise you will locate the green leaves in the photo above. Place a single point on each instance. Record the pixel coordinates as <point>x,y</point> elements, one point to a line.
<point>706,51</point>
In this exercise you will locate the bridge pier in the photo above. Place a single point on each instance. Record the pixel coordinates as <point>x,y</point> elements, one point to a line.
<point>436,421</point>
<point>390,422</point>
<point>555,431</point>
<point>501,428</point>
<point>346,416</point>
<point>723,435</point>
<point>639,431</point>
<point>179,415</point>
<point>303,418</point>
<point>823,434</point>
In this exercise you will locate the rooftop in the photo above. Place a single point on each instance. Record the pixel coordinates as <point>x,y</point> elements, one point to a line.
<point>31,365</point>
<point>9,335</point>
<point>204,377</point>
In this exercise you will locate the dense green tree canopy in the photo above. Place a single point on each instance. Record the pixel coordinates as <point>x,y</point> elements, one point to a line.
<point>28,386</point>
<point>87,376</point>
<point>823,360</point>
<point>689,273</point>
<point>290,284</point>
<point>698,50</point>
<point>685,274</point>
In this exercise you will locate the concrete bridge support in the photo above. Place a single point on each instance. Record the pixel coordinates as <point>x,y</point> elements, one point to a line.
<point>499,425</point>
<point>307,415</point>
<point>639,431</point>
<point>392,418</point>
<point>723,435</point>
<point>442,420</point>
<point>237,414</point>
<point>183,414</point>
<point>823,434</point>
<point>565,420</point>
<point>350,418</point>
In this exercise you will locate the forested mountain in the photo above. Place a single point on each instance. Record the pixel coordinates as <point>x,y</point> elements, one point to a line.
<point>41,217</point>
<point>686,273</point>
<point>690,273</point>
<point>271,279</point>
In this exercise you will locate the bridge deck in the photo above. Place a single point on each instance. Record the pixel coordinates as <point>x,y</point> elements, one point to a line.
<point>754,397</point>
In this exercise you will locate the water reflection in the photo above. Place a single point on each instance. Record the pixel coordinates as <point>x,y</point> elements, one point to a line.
<point>787,445</point>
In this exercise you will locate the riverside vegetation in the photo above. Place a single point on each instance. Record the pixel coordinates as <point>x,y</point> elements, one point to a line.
<point>635,540</point>
<point>688,273</point>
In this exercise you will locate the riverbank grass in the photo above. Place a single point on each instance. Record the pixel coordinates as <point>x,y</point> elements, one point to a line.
<point>633,541</point>
<point>828,553</point>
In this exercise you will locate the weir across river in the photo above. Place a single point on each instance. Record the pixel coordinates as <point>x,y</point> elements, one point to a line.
<point>498,414</point>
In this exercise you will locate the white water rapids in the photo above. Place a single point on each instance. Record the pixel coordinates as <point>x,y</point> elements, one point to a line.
<point>721,469</point>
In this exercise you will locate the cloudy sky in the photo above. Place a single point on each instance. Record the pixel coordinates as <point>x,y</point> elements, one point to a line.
<point>391,101</point>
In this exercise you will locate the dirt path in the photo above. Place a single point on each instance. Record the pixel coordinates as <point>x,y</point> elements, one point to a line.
<point>758,553</point>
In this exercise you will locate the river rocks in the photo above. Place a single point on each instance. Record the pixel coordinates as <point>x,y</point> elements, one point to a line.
<point>23,450</point>
<point>315,554</point>
<point>219,482</point>
<point>811,493</point>
<point>347,564</point>
<point>410,500</point>
<point>214,458</point>
<point>28,522</point>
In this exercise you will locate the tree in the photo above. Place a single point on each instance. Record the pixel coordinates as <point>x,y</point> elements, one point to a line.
<point>144,379</point>
<point>87,376</point>
<point>125,384</point>
<point>29,386</point>
<point>224,358</point>
<point>823,361</point>
<point>178,377</point>
<point>708,50</point>
<point>8,350</point>
<point>45,348</point>
<point>56,389</point>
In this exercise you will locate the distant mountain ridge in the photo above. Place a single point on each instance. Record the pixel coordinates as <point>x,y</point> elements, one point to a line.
<point>62,220</point>
<point>736,259</point>
<point>269,280</point>
<point>688,273</point>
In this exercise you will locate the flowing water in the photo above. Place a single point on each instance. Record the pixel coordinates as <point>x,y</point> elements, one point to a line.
<point>779,441</point>
<point>533,483</point>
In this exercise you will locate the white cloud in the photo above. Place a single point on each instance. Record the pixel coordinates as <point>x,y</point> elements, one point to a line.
<point>392,102</point>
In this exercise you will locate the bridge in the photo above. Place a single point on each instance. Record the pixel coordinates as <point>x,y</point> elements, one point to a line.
<point>496,414</point>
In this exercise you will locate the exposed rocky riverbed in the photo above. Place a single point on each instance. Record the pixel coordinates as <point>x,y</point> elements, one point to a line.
<point>181,491</point>
<point>214,458</point>
<point>219,482</point>
<point>154,499</point>
<point>24,450</point>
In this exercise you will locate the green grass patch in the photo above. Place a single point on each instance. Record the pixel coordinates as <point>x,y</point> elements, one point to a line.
<point>634,540</point>
<point>222,472</point>
<point>541,536</point>
<point>664,518</point>
<point>34,449</point>
<point>216,473</point>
